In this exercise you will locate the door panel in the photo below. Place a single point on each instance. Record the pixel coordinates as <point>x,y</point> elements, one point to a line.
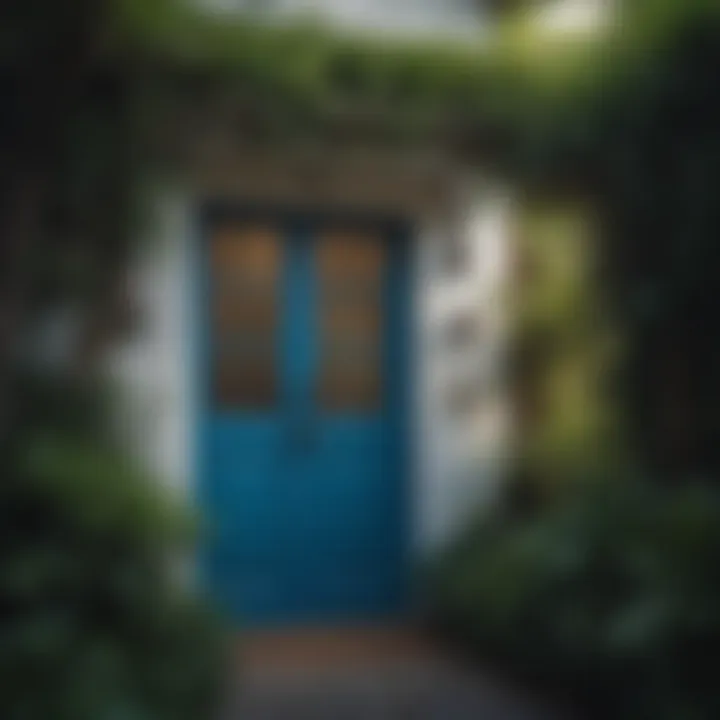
<point>302,453</point>
<point>243,433</point>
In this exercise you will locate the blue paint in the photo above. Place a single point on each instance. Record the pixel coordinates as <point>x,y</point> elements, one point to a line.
<point>308,507</point>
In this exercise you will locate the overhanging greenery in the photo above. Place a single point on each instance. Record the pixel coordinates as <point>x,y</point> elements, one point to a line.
<point>308,69</point>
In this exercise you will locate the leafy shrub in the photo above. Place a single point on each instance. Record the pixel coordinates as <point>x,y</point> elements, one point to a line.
<point>612,594</point>
<point>93,625</point>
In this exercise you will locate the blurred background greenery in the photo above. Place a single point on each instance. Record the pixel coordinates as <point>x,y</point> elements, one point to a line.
<point>598,574</point>
<point>95,623</point>
<point>599,577</point>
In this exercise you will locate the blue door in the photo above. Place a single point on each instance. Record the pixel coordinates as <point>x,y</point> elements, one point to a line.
<point>303,396</point>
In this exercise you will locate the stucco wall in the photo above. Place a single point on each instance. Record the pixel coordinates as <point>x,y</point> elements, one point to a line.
<point>459,461</point>
<point>458,454</point>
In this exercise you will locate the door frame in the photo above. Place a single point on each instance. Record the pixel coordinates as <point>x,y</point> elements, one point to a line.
<point>399,230</point>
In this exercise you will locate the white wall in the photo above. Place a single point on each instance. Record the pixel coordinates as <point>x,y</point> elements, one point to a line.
<point>458,459</point>
<point>153,371</point>
<point>459,462</point>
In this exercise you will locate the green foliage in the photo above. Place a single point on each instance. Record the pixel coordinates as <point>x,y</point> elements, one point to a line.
<point>564,349</point>
<point>657,151</point>
<point>613,596</point>
<point>612,590</point>
<point>504,81</point>
<point>638,142</point>
<point>94,620</point>
<point>544,91</point>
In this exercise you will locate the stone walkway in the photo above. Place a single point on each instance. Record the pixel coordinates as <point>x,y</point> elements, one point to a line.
<point>364,675</point>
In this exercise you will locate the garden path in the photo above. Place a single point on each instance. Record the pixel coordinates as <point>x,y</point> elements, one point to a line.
<point>364,674</point>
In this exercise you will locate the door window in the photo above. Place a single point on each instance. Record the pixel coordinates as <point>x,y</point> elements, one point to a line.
<point>350,270</point>
<point>245,275</point>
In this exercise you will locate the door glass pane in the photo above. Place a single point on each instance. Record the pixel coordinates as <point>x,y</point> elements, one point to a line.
<point>245,270</point>
<point>350,276</point>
